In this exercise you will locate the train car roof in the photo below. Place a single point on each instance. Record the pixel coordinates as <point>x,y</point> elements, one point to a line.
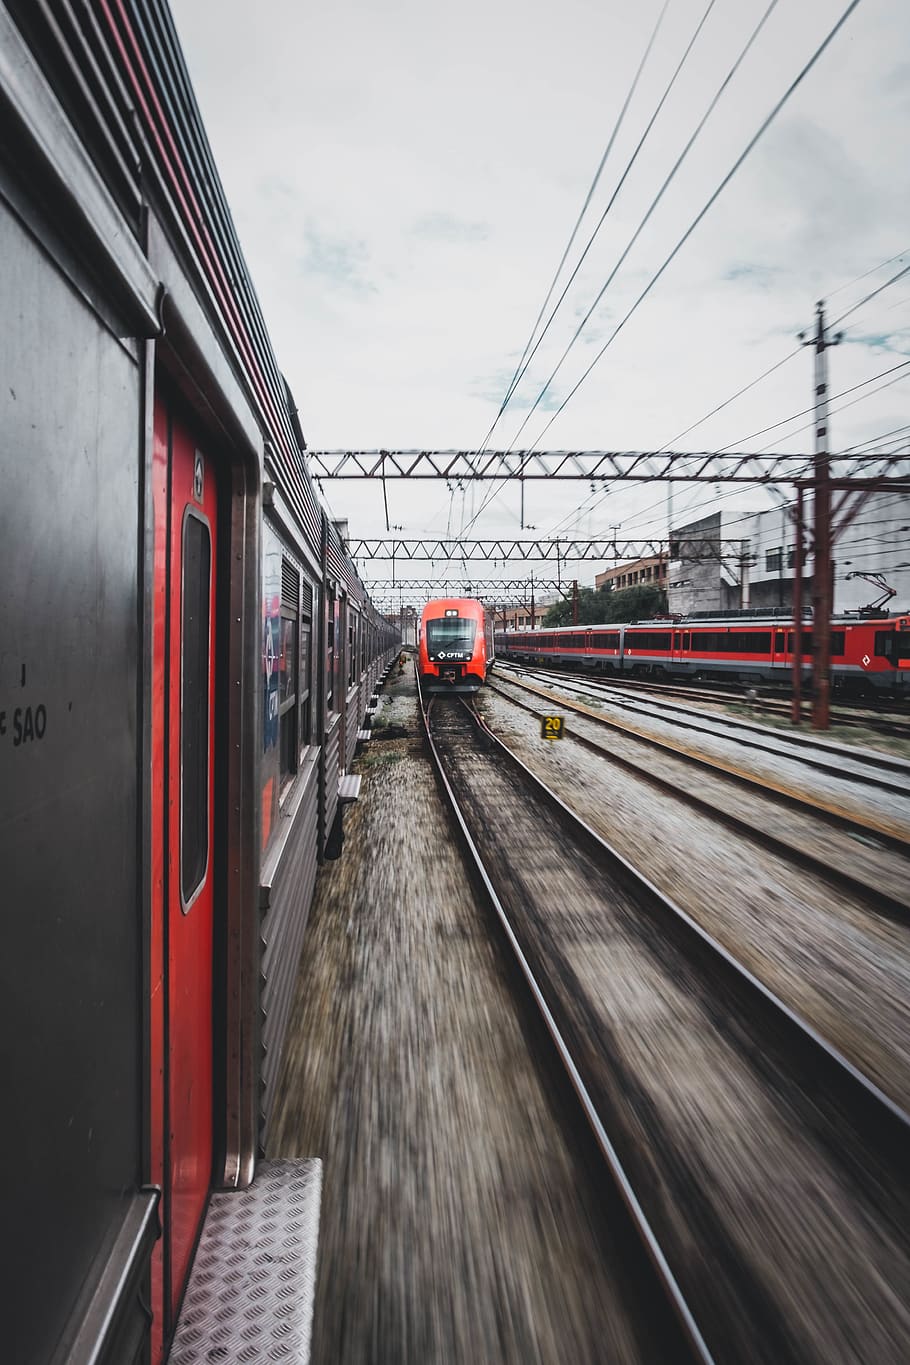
<point>729,621</point>
<point>464,606</point>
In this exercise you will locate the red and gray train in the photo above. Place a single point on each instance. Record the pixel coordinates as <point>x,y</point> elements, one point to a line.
<point>455,645</point>
<point>187,654</point>
<point>867,655</point>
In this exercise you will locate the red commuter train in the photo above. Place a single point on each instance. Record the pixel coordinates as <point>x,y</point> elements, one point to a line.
<point>455,646</point>
<point>867,655</point>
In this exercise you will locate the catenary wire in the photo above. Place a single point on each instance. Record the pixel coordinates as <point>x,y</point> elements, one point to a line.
<point>584,208</point>
<point>668,179</point>
<point>495,491</point>
<point>713,198</point>
<point>795,83</point>
<point>526,361</point>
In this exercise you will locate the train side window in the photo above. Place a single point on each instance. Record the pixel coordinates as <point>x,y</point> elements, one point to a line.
<point>885,640</point>
<point>288,669</point>
<point>330,651</point>
<point>194,706</point>
<point>305,682</point>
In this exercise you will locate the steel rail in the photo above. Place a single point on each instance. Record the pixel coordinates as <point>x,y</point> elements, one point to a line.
<point>610,686</point>
<point>880,1115</point>
<point>828,1082</point>
<point>839,819</point>
<point>880,901</point>
<point>693,1340</point>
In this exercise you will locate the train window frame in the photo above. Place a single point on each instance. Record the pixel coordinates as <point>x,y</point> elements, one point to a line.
<point>305,676</point>
<point>201,866</point>
<point>329,660</point>
<point>289,675</point>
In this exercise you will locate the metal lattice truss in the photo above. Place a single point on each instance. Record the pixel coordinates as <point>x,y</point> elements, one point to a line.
<point>466,587</point>
<point>549,551</point>
<point>596,465</point>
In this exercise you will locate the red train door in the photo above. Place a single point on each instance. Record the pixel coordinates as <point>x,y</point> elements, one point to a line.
<point>183,850</point>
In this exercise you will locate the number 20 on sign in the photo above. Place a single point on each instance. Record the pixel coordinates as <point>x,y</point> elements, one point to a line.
<point>551,727</point>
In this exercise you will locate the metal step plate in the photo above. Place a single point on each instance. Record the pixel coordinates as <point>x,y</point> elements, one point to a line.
<point>250,1295</point>
<point>349,787</point>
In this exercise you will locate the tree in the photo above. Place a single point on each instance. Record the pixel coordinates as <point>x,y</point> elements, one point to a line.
<point>601,607</point>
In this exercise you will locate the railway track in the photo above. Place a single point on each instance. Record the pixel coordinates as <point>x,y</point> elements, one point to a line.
<point>766,1174</point>
<point>849,767</point>
<point>845,715</point>
<point>815,752</point>
<point>841,877</point>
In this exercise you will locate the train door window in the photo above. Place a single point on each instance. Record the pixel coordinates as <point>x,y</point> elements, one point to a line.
<point>779,642</point>
<point>306,664</point>
<point>352,649</point>
<point>685,641</point>
<point>288,669</point>
<point>838,643</point>
<point>194,706</point>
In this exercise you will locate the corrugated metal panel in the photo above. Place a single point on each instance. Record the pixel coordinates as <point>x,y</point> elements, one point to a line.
<point>290,585</point>
<point>288,882</point>
<point>311,512</point>
<point>335,557</point>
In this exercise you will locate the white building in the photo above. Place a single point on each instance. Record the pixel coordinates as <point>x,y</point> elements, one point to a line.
<point>757,570</point>
<point>877,541</point>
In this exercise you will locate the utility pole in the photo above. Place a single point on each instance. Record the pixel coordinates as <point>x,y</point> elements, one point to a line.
<point>822,565</point>
<point>574,601</point>
<point>533,615</point>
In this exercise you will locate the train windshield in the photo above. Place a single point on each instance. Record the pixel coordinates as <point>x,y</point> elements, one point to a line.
<point>451,635</point>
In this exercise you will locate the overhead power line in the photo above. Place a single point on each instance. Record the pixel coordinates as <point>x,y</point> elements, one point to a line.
<point>668,179</point>
<point>897,379</point>
<point>874,294</point>
<point>523,368</point>
<point>766,123</point>
<point>866,273</point>
<point>735,445</point>
<point>584,208</point>
<point>769,119</point>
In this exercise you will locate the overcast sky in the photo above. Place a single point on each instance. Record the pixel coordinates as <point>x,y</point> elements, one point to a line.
<point>404,178</point>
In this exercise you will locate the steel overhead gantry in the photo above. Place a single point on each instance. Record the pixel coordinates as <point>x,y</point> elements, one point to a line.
<point>546,550</point>
<point>701,466</point>
<point>828,473</point>
<point>472,587</point>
